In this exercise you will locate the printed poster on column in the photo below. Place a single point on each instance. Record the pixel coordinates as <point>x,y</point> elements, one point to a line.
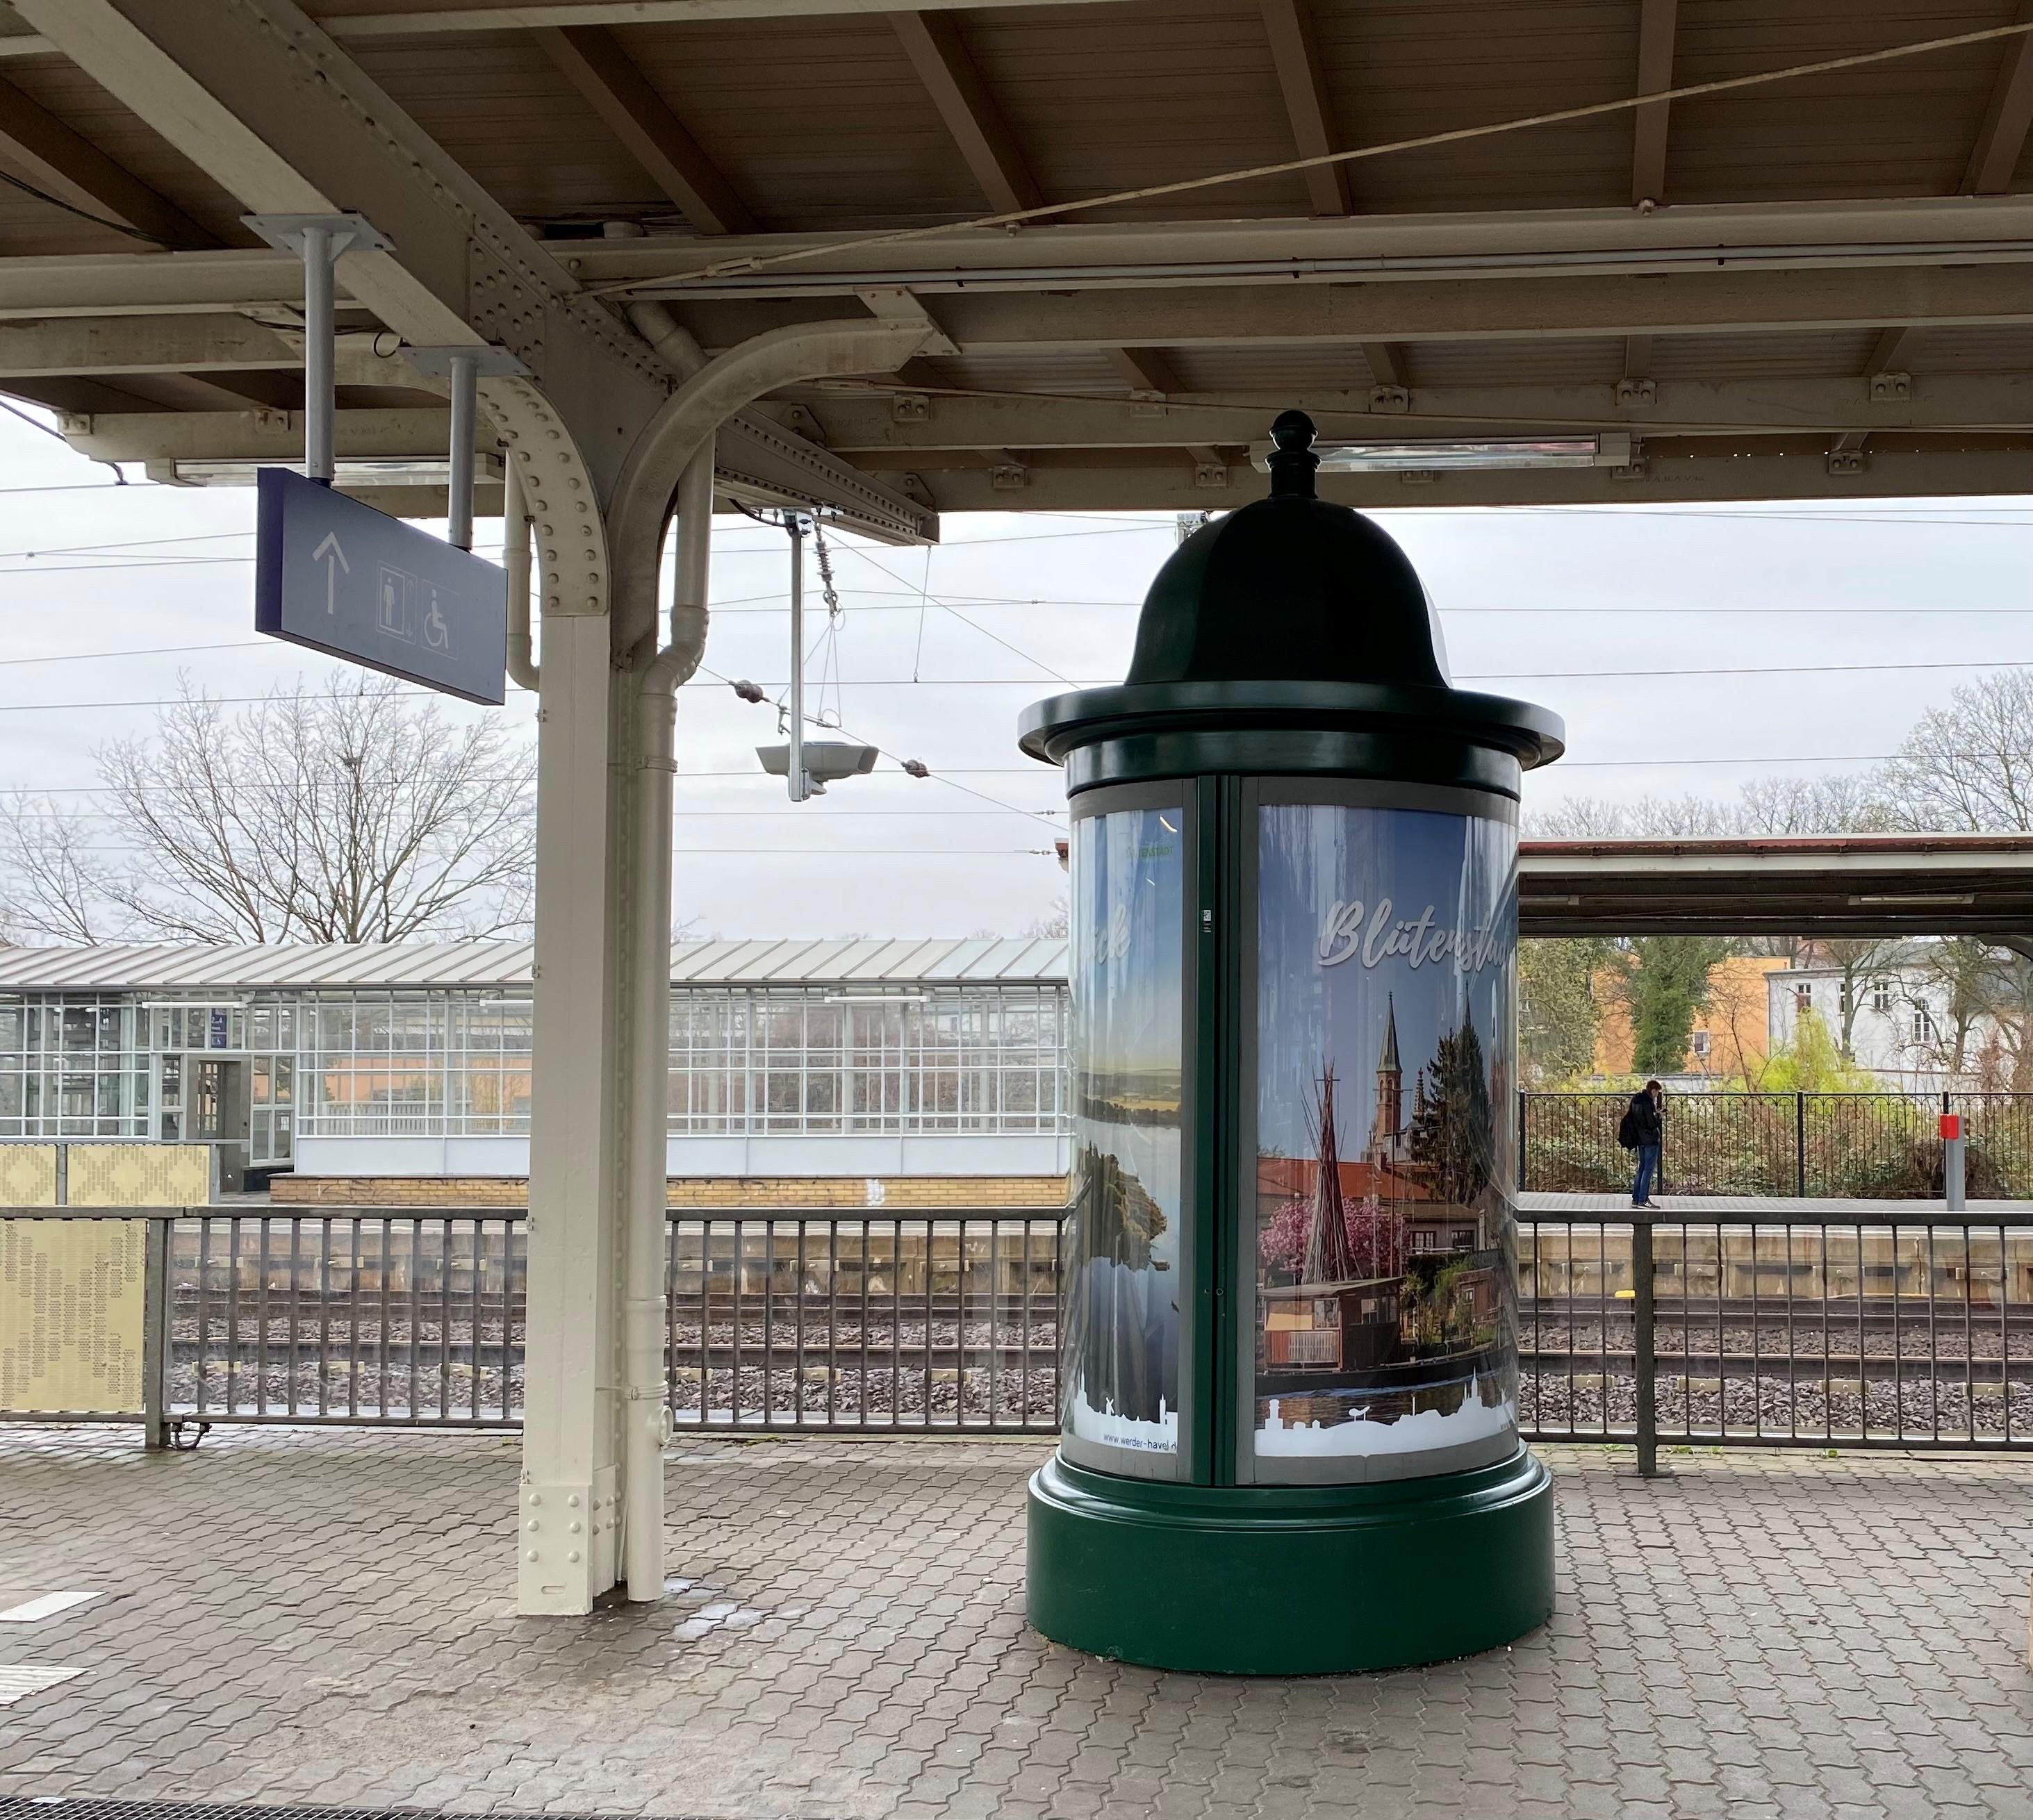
<point>1120,1339</point>
<point>1385,1236</point>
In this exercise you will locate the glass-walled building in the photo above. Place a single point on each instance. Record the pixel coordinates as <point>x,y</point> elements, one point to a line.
<point>787,1058</point>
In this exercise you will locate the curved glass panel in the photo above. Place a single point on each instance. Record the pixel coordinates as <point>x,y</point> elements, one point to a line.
<point>1386,1267</point>
<point>1119,1343</point>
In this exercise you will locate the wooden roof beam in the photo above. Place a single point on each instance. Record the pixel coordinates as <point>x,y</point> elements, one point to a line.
<point>959,92</point>
<point>56,159</point>
<point>938,52</point>
<point>1656,26</point>
<point>1295,54</point>
<point>1387,363</point>
<point>593,61</point>
<point>462,15</point>
<point>1888,354</point>
<point>1145,370</point>
<point>2001,141</point>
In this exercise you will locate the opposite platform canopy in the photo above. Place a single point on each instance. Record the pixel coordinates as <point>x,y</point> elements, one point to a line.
<point>1862,885</point>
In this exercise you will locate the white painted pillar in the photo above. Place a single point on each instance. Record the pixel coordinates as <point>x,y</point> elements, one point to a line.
<point>568,1504</point>
<point>603,1033</point>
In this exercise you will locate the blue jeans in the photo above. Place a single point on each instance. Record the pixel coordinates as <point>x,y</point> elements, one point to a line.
<point>1647,1169</point>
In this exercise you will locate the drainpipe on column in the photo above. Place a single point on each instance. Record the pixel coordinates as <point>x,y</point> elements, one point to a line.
<point>515,560</point>
<point>675,345</point>
<point>649,1422</point>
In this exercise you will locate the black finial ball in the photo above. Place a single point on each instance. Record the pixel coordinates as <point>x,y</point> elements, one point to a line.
<point>1294,431</point>
<point>1292,460</point>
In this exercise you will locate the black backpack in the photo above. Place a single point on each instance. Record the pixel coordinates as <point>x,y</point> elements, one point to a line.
<point>1626,1135</point>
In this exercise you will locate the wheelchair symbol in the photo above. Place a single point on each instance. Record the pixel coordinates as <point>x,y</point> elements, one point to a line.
<point>437,634</point>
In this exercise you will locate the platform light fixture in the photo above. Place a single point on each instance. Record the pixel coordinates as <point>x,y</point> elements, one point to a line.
<point>1441,455</point>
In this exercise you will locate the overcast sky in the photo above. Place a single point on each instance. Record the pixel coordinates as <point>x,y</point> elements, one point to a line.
<point>939,651</point>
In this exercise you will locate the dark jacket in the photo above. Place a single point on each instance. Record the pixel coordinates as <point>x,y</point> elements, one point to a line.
<point>1642,1121</point>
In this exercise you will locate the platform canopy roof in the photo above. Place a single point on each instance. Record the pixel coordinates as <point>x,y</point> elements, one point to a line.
<point>1816,286</point>
<point>1848,885</point>
<point>884,968</point>
<point>1836,886</point>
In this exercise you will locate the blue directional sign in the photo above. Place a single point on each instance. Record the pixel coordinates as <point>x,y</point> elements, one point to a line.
<point>342,578</point>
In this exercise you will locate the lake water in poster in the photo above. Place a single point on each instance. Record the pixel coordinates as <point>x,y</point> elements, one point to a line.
<point>1386,1267</point>
<point>1120,1342</point>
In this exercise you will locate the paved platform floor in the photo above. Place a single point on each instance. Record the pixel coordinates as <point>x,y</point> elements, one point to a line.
<point>290,1617</point>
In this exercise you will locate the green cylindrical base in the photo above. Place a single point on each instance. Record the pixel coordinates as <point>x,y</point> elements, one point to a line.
<point>1290,1579</point>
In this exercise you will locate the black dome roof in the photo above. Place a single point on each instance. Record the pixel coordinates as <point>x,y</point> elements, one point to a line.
<point>1290,589</point>
<point>1291,637</point>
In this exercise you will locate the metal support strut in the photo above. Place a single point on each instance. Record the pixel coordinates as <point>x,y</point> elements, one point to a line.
<point>319,364</point>
<point>458,485</point>
<point>801,785</point>
<point>319,240</point>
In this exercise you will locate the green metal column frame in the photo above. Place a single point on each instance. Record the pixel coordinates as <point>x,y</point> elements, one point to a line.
<point>1290,1579</point>
<point>1289,640</point>
<point>1205,1449</point>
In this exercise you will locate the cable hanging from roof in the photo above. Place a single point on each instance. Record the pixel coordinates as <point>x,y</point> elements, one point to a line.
<point>1420,142</point>
<point>106,221</point>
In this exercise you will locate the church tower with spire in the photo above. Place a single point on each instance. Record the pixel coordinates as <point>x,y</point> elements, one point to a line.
<point>1386,1137</point>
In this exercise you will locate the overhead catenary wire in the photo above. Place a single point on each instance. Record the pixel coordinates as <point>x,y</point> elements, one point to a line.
<point>1030,682</point>
<point>1693,761</point>
<point>787,813</point>
<point>151,650</point>
<point>1419,142</point>
<point>33,423</point>
<point>947,607</point>
<point>1498,676</point>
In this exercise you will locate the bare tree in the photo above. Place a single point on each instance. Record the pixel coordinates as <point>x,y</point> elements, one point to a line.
<point>1056,924</point>
<point>1840,803</point>
<point>1647,818</point>
<point>1968,767</point>
<point>49,874</point>
<point>357,815</point>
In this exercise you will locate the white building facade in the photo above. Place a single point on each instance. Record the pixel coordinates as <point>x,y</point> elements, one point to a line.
<point>1901,1021</point>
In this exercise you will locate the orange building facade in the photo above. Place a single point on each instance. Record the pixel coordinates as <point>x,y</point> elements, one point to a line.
<point>1731,1033</point>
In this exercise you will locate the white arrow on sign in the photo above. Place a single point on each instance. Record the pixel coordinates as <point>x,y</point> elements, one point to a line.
<point>333,558</point>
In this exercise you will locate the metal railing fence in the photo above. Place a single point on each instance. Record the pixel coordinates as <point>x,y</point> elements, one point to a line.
<point>1867,1146</point>
<point>363,1315</point>
<point>913,1322</point>
<point>1856,1328</point>
<point>1849,1327</point>
<point>905,1322</point>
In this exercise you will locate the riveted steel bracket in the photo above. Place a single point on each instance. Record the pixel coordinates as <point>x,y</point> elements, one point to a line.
<point>488,363</point>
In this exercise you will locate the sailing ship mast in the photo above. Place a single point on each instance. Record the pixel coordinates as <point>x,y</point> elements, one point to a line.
<point>1329,1257</point>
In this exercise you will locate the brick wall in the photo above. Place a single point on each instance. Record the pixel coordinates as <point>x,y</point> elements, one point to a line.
<point>900,1192</point>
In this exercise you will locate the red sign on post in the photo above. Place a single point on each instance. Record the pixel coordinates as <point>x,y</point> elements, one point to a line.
<point>1952,1124</point>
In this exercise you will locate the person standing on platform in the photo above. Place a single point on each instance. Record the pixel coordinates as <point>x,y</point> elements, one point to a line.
<point>1642,1130</point>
